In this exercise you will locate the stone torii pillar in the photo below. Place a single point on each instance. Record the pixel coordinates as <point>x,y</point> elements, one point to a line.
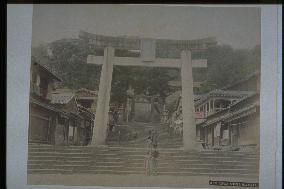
<point>101,119</point>
<point>188,112</point>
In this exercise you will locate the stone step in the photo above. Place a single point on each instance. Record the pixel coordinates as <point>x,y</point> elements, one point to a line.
<point>207,170</point>
<point>126,162</point>
<point>49,171</point>
<point>128,158</point>
<point>58,154</point>
<point>197,163</point>
<point>203,157</point>
<point>142,171</point>
<point>160,146</point>
<point>38,144</point>
<point>58,162</point>
<point>43,158</point>
<point>210,161</point>
<point>238,175</point>
<point>117,172</point>
<point>119,151</point>
<point>213,166</point>
<point>143,143</point>
<point>119,159</point>
<point>41,150</point>
<point>116,168</point>
<point>140,156</point>
<point>58,166</point>
<point>64,150</point>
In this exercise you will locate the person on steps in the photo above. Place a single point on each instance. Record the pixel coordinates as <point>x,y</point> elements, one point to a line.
<point>149,144</point>
<point>147,163</point>
<point>155,138</point>
<point>154,161</point>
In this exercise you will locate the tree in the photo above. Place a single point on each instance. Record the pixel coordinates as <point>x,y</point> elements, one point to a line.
<point>142,79</point>
<point>226,65</point>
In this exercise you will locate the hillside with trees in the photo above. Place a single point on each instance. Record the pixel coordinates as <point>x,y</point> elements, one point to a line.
<point>68,58</point>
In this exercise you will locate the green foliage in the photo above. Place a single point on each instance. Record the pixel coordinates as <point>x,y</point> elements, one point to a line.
<point>144,80</point>
<point>225,65</point>
<point>69,60</point>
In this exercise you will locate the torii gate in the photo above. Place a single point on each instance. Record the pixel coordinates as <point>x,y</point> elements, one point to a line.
<point>147,58</point>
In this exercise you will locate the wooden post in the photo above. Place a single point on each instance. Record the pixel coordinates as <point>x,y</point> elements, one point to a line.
<point>55,127</point>
<point>67,131</point>
<point>48,130</point>
<point>73,137</point>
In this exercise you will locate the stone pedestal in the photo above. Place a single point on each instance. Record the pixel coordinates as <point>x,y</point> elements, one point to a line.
<point>189,126</point>
<point>101,116</point>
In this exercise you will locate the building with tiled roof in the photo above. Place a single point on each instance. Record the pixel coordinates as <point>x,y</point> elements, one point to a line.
<point>235,124</point>
<point>238,125</point>
<point>227,117</point>
<point>55,117</point>
<point>44,116</point>
<point>87,98</point>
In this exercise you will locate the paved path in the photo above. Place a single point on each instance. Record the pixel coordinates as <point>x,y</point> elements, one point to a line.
<point>130,180</point>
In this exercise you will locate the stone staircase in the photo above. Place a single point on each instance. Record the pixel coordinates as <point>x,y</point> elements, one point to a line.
<point>45,159</point>
<point>128,158</point>
<point>142,130</point>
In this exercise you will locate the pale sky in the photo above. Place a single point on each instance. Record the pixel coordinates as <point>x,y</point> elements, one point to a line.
<point>238,27</point>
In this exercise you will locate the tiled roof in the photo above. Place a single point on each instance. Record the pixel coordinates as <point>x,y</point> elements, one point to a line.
<point>46,105</point>
<point>61,98</point>
<point>223,93</point>
<point>251,94</point>
<point>235,113</point>
<point>85,93</point>
<point>47,67</point>
<point>226,116</point>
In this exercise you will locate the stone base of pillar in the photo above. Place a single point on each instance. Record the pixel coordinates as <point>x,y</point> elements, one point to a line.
<point>97,145</point>
<point>98,142</point>
<point>196,146</point>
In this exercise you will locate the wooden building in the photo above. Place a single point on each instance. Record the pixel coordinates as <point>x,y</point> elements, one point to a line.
<point>43,115</point>
<point>88,126</point>
<point>226,118</point>
<point>76,129</point>
<point>87,98</point>
<point>236,126</point>
<point>55,117</point>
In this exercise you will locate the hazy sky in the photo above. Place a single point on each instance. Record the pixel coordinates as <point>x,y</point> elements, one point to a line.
<point>238,27</point>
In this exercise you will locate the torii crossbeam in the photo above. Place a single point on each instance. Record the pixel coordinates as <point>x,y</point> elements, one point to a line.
<point>137,61</point>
